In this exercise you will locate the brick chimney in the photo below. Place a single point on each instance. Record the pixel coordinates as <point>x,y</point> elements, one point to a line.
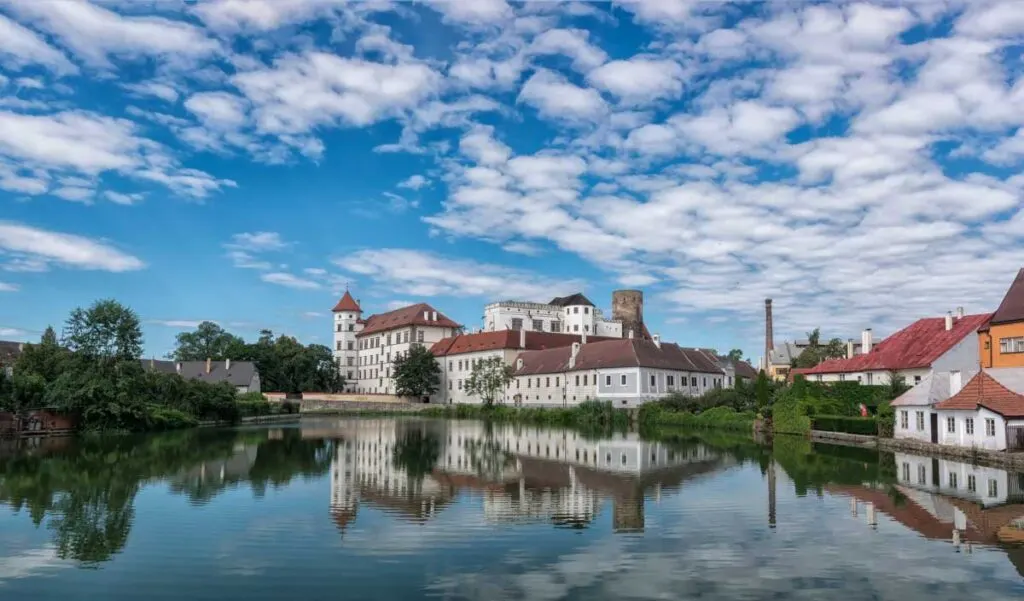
<point>572,357</point>
<point>949,320</point>
<point>769,338</point>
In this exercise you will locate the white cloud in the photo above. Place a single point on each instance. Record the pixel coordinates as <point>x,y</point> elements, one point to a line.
<point>556,98</point>
<point>258,241</point>
<point>478,12</point>
<point>659,12</point>
<point>398,304</point>
<point>163,91</point>
<point>573,43</point>
<point>523,248</point>
<point>289,280</point>
<point>261,15</point>
<point>313,314</point>
<point>8,287</point>
<point>7,332</point>
<point>21,47</point>
<point>426,274</point>
<point>218,110</point>
<point>179,323</point>
<point>414,182</point>
<point>124,199</point>
<point>19,241</point>
<point>640,79</point>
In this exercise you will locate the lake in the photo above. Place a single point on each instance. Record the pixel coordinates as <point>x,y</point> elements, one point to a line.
<point>410,509</point>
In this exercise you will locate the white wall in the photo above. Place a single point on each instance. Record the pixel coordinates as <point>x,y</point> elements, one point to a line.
<point>375,363</point>
<point>980,439</point>
<point>914,429</point>
<point>874,377</point>
<point>963,357</point>
<point>499,316</point>
<point>985,485</point>
<point>343,337</point>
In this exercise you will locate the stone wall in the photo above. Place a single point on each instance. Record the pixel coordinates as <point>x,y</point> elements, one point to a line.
<point>346,397</point>
<point>333,407</point>
<point>971,455</point>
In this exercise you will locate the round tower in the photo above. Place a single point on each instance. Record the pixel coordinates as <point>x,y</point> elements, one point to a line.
<point>346,316</point>
<point>628,307</point>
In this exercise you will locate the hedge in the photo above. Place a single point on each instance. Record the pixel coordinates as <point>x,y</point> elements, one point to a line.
<point>849,425</point>
<point>725,418</point>
<point>789,416</point>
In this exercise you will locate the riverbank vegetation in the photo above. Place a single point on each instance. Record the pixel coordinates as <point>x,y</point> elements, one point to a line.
<point>95,374</point>
<point>588,414</point>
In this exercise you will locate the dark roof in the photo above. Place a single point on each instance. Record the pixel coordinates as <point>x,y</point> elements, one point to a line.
<point>745,370</point>
<point>1012,307</point>
<point>572,299</point>
<point>406,316</point>
<point>347,303</point>
<point>983,390</point>
<point>505,339</point>
<point>240,374</point>
<point>917,345</point>
<point>10,351</point>
<point>625,352</point>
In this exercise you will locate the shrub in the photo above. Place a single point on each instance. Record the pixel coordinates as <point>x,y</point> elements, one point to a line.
<point>165,418</point>
<point>253,408</point>
<point>850,425</point>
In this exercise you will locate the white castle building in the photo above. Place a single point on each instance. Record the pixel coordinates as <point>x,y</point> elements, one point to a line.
<point>365,349</point>
<point>573,314</point>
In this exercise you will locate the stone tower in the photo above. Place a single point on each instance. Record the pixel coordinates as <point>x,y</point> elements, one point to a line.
<point>628,307</point>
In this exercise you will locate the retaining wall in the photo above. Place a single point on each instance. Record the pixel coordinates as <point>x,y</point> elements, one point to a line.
<point>971,455</point>
<point>335,407</point>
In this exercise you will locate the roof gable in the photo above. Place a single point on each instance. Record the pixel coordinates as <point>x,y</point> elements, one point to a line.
<point>917,345</point>
<point>240,373</point>
<point>1012,307</point>
<point>983,390</point>
<point>413,315</point>
<point>572,299</point>
<point>347,303</point>
<point>505,339</point>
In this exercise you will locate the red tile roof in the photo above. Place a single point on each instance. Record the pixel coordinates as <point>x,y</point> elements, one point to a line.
<point>406,316</point>
<point>983,390</point>
<point>917,345</point>
<point>618,352</point>
<point>347,303</point>
<point>1012,308</point>
<point>505,339</point>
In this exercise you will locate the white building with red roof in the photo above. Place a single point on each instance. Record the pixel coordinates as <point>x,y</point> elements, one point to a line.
<point>931,344</point>
<point>986,413</point>
<point>366,349</point>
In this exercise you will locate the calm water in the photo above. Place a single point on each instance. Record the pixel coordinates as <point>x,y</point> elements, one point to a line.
<point>408,509</point>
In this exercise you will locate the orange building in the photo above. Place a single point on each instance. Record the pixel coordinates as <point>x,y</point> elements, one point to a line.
<point>1001,341</point>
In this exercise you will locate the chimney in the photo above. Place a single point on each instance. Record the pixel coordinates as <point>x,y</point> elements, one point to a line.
<point>572,357</point>
<point>955,382</point>
<point>959,312</point>
<point>433,316</point>
<point>949,320</point>
<point>769,338</point>
<point>657,340</point>
<point>519,363</point>
<point>849,348</point>
<point>583,338</point>
<point>631,334</point>
<point>209,365</point>
<point>227,365</point>
<point>522,338</point>
<point>177,367</point>
<point>865,341</point>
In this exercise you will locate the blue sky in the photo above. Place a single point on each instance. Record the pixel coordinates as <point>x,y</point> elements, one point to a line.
<point>241,161</point>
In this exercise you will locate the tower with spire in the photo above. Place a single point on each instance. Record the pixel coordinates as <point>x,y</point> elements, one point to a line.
<point>348,322</point>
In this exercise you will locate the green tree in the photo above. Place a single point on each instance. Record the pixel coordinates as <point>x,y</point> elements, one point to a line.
<point>417,373</point>
<point>762,391</point>
<point>897,385</point>
<point>735,355</point>
<point>208,341</point>
<point>46,359</point>
<point>488,379</point>
<point>417,451</point>
<point>106,330</point>
<point>835,349</point>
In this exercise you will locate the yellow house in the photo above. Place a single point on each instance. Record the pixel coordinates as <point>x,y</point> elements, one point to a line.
<point>1001,342</point>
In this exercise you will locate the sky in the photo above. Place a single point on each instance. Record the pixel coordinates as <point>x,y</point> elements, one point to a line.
<point>243,161</point>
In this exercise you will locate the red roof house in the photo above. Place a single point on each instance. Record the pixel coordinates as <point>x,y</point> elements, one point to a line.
<point>420,314</point>
<point>984,390</point>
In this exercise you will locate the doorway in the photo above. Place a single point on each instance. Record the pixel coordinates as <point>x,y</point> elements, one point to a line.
<point>935,427</point>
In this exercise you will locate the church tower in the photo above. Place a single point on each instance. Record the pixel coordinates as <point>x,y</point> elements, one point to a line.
<point>347,316</point>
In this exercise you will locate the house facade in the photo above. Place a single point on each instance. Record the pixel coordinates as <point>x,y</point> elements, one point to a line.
<point>915,414</point>
<point>987,413</point>
<point>931,344</point>
<point>628,372</point>
<point>1001,340</point>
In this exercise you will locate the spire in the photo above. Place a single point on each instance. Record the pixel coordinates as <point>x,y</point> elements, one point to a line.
<point>347,303</point>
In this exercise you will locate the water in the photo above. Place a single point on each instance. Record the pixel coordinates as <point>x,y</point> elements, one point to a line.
<point>408,509</point>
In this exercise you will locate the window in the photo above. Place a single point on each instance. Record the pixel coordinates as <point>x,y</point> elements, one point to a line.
<point>922,474</point>
<point>350,361</point>
<point>348,375</point>
<point>586,327</point>
<point>607,380</point>
<point>405,337</point>
<point>951,425</point>
<point>337,346</point>
<point>969,425</point>
<point>576,327</point>
<point>622,379</point>
<point>419,336</point>
<point>623,459</point>
<point>917,379</point>
<point>1011,345</point>
<point>451,364</point>
<point>993,487</point>
<point>584,379</point>
<point>586,310</point>
<point>654,380</point>
<point>351,345</point>
<point>388,339</point>
<point>556,326</point>
<point>693,381</point>
<point>906,471</point>
<point>339,328</point>
<point>705,381</point>
<point>990,426</point>
<point>577,379</point>
<point>529,382</point>
<point>556,381</point>
<point>904,420</point>
<point>952,480</point>
<point>920,421</point>
<point>351,327</point>
<point>449,384</point>
<point>972,484</point>
<point>670,380</point>
<point>460,384</point>
<point>575,309</point>
<point>871,378</point>
<point>547,381</point>
<point>538,325</point>
<point>517,384</point>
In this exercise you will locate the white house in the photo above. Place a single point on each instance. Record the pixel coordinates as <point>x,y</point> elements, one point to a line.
<point>987,413</point>
<point>931,344</point>
<point>574,314</point>
<point>915,409</point>
<point>366,349</point>
<point>628,372</point>
<point>986,486</point>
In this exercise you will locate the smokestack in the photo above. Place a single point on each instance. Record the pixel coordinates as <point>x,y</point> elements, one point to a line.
<point>949,320</point>
<point>849,348</point>
<point>959,312</point>
<point>657,340</point>
<point>152,363</point>
<point>865,341</point>
<point>208,365</point>
<point>522,338</point>
<point>769,338</point>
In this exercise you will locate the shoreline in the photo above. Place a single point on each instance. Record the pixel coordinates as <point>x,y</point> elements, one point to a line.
<point>975,456</point>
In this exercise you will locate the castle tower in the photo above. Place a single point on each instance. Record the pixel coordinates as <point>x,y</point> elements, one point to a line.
<point>628,307</point>
<point>347,323</point>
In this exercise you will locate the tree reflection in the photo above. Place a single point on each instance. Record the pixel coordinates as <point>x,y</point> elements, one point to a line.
<point>416,451</point>
<point>85,493</point>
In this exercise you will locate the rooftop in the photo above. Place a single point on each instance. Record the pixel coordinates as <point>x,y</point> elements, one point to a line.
<point>239,373</point>
<point>997,389</point>
<point>347,303</point>
<point>413,315</point>
<point>505,339</point>
<point>917,345</point>
<point>572,299</point>
<point>1012,307</point>
<point>619,352</point>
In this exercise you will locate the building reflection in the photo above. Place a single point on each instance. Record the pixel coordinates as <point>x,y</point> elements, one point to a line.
<point>519,474</point>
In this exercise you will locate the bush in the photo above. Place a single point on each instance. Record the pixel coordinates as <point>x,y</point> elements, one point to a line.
<point>249,408</point>
<point>288,407</point>
<point>850,425</point>
<point>658,414</point>
<point>164,418</point>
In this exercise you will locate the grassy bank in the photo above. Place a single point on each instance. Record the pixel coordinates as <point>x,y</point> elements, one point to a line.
<point>586,414</point>
<point>718,418</point>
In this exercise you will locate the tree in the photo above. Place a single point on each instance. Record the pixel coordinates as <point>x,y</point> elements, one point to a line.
<point>897,385</point>
<point>735,355</point>
<point>208,341</point>
<point>417,373</point>
<point>46,359</point>
<point>835,349</point>
<point>488,379</point>
<point>106,330</point>
<point>762,390</point>
<point>417,451</point>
